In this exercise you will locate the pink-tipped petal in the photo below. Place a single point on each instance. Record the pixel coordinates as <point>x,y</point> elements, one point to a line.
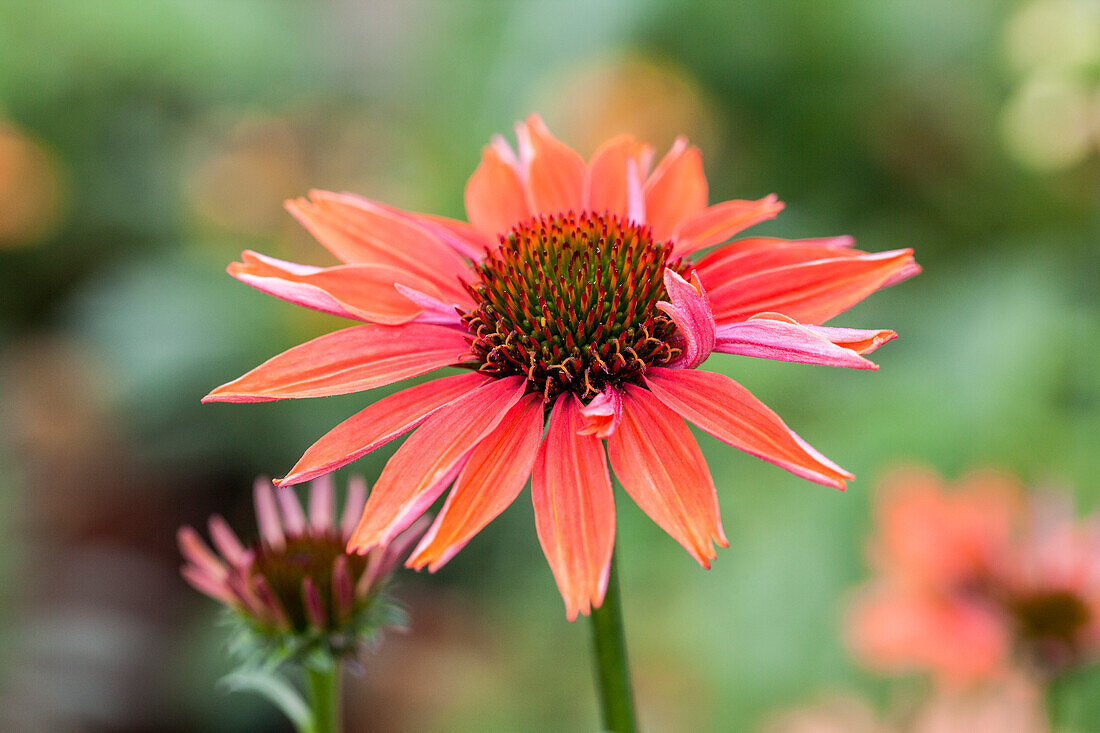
<point>601,416</point>
<point>421,468</point>
<point>198,554</point>
<point>431,309</point>
<point>216,588</point>
<point>658,462</point>
<point>353,505</point>
<point>314,606</point>
<point>495,200</point>
<point>809,292</point>
<point>384,560</point>
<point>360,231</point>
<point>378,424</point>
<point>676,191</point>
<point>343,589</point>
<point>611,178</point>
<point>225,539</point>
<point>458,235</point>
<point>690,310</point>
<point>726,410</point>
<point>360,292</point>
<point>491,479</point>
<point>267,514</point>
<point>720,222</point>
<point>574,509</point>
<point>294,519</point>
<point>351,360</point>
<point>322,495</point>
<point>272,606</point>
<point>785,340</point>
<point>555,175</point>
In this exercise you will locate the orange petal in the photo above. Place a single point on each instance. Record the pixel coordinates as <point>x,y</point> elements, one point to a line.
<point>608,174</point>
<point>809,292</point>
<point>427,463</point>
<point>350,360</point>
<point>555,173</point>
<point>491,479</point>
<point>676,191</point>
<point>357,230</point>
<point>363,292</point>
<point>756,254</point>
<point>718,223</point>
<point>726,410</point>
<point>660,465</point>
<point>574,509</point>
<point>377,425</point>
<point>460,236</point>
<point>495,200</point>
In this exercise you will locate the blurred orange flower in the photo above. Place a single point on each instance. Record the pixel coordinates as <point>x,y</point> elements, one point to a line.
<point>571,299</point>
<point>973,581</point>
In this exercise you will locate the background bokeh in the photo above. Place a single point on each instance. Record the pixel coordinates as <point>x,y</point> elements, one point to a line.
<point>143,145</point>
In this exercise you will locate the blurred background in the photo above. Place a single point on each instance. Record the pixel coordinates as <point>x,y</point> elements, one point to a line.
<point>144,145</point>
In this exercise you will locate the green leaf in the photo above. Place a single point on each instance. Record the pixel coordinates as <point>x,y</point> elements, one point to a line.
<point>277,690</point>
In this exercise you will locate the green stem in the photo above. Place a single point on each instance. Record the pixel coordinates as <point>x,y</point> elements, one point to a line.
<point>324,697</point>
<point>612,673</point>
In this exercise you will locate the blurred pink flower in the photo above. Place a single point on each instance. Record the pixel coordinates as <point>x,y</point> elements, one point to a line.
<point>971,582</point>
<point>297,577</point>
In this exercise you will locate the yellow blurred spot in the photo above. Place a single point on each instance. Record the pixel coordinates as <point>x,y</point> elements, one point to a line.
<point>30,189</point>
<point>653,101</point>
<point>1054,34</point>
<point>244,174</point>
<point>1047,123</point>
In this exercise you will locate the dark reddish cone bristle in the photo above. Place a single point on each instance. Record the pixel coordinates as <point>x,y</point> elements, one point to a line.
<point>569,302</point>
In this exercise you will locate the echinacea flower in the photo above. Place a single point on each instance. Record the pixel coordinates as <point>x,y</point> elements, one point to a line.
<point>976,581</point>
<point>297,580</point>
<point>576,298</point>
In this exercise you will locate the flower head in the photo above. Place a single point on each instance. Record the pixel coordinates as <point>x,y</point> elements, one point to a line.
<point>297,580</point>
<point>575,299</point>
<point>976,581</point>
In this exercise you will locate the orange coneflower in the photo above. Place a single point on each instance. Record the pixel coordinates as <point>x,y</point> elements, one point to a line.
<point>575,298</point>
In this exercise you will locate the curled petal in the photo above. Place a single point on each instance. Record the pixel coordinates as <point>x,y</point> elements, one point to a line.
<point>361,292</point>
<point>493,476</point>
<point>351,360</point>
<point>859,340</point>
<point>554,174</point>
<point>360,231</point>
<point>601,416</point>
<point>809,292</point>
<point>718,223</point>
<point>691,312</point>
<point>770,336</point>
<point>424,466</point>
<point>726,410</point>
<point>656,458</point>
<point>495,200</point>
<point>376,425</point>
<point>676,191</point>
<point>574,509</point>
